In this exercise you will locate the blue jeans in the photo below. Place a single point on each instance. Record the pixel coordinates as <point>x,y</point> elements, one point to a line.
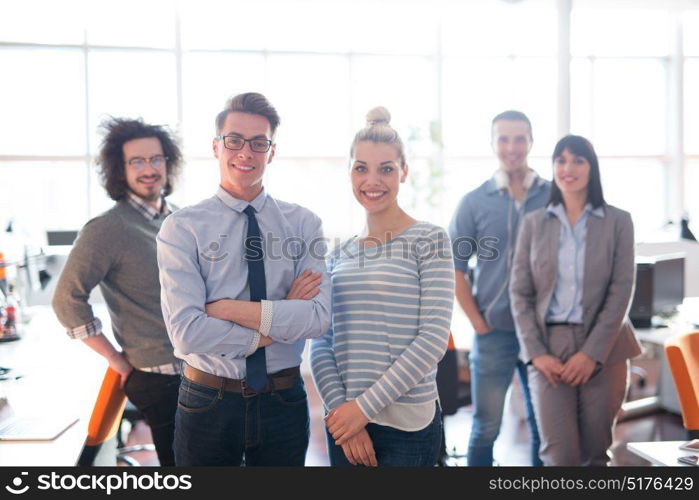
<point>213,427</point>
<point>396,448</point>
<point>494,358</point>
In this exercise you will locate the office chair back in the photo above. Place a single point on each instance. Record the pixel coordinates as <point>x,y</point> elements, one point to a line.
<point>106,416</point>
<point>682,353</point>
<point>453,394</point>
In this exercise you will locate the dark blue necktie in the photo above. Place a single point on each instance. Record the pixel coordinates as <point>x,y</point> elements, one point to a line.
<point>255,364</point>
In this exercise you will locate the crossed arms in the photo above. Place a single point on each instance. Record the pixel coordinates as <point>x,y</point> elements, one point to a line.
<point>230,330</point>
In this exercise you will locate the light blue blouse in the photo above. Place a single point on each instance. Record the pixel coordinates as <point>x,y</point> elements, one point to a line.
<point>566,303</point>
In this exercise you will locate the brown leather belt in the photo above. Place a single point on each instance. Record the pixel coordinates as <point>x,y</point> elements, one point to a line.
<point>283,379</point>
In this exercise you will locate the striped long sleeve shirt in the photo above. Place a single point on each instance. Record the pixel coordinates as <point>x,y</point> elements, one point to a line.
<point>391,313</point>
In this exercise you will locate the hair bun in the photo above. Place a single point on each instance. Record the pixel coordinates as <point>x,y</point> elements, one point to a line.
<point>378,116</point>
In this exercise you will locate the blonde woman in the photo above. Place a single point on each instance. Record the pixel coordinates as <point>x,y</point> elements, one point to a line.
<point>392,291</point>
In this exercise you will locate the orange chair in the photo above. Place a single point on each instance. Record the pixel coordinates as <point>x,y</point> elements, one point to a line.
<point>106,417</point>
<point>682,354</point>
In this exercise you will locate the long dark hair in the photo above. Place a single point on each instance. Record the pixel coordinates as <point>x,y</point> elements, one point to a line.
<point>110,162</point>
<point>579,146</point>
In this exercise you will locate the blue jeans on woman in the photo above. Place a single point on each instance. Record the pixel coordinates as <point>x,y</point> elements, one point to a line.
<point>396,448</point>
<point>494,358</point>
<point>214,427</point>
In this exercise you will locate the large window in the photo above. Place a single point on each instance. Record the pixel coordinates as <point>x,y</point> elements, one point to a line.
<point>690,34</point>
<point>619,99</point>
<point>42,98</point>
<point>443,69</point>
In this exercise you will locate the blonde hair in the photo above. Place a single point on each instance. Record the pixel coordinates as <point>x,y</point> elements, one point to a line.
<point>379,130</point>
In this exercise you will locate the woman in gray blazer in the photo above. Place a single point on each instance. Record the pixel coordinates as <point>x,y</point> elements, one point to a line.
<point>571,285</point>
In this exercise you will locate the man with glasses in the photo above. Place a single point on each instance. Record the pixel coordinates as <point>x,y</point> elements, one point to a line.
<point>243,286</point>
<point>138,164</point>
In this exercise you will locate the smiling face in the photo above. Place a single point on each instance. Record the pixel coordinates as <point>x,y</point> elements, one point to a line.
<point>242,170</point>
<point>571,173</point>
<point>511,143</point>
<point>376,174</point>
<point>148,181</point>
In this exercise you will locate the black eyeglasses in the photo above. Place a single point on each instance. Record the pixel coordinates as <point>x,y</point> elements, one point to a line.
<point>236,143</point>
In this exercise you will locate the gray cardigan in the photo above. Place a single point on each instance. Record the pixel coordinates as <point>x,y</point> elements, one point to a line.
<point>608,281</point>
<point>117,250</point>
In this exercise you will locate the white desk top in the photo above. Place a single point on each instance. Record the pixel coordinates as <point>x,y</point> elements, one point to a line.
<point>59,375</point>
<point>660,452</point>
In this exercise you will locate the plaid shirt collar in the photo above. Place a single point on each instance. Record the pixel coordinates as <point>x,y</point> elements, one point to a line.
<point>147,210</point>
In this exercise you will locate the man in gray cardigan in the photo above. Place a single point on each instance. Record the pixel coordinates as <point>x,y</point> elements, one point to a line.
<point>117,251</point>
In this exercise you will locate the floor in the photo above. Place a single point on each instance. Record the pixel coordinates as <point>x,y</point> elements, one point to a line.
<point>512,446</point>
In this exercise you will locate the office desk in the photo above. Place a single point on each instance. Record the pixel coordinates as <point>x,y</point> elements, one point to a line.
<point>59,375</point>
<point>663,453</point>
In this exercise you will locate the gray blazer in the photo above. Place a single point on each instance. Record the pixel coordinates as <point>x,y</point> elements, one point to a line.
<point>608,281</point>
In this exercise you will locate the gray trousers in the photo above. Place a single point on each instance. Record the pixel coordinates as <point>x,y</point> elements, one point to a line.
<point>575,423</point>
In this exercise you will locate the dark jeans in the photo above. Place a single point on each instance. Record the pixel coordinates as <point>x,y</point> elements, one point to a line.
<point>213,427</point>
<point>396,448</point>
<point>155,396</point>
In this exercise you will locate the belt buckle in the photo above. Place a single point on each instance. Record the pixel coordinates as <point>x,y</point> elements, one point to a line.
<point>247,391</point>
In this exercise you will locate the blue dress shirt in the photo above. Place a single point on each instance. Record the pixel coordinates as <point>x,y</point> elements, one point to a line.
<point>566,302</point>
<point>201,259</point>
<point>486,223</point>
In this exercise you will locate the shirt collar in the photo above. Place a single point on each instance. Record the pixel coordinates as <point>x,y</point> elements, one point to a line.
<point>560,212</point>
<point>239,205</point>
<point>492,186</point>
<point>146,209</point>
<point>500,181</point>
